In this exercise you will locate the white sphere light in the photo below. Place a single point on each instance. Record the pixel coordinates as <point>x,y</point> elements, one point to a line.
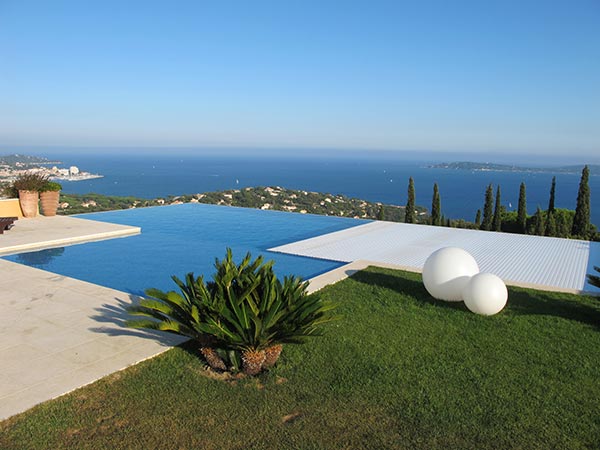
<point>447,271</point>
<point>485,294</point>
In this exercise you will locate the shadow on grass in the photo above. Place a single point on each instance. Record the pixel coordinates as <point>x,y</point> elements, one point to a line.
<point>192,347</point>
<point>402,284</point>
<point>520,301</point>
<point>530,302</point>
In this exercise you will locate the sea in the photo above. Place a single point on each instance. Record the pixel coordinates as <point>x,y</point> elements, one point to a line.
<point>372,177</point>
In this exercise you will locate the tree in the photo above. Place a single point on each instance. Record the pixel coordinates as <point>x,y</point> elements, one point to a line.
<point>436,208</point>
<point>564,221</point>
<point>539,226</point>
<point>581,222</point>
<point>409,213</point>
<point>488,217</point>
<point>497,222</point>
<point>522,210</point>
<point>552,192</point>
<point>478,218</point>
<point>381,213</point>
<point>551,229</point>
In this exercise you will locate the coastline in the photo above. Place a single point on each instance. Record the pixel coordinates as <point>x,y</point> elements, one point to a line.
<point>78,178</point>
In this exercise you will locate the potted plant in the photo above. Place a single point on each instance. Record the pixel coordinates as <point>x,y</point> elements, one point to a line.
<point>29,185</point>
<point>49,195</point>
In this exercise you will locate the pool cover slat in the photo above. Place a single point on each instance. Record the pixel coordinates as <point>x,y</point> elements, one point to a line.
<point>535,260</point>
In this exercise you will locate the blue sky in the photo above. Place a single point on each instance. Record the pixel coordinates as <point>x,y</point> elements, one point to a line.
<point>476,76</point>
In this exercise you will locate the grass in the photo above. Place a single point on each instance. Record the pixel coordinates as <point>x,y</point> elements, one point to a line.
<point>399,370</point>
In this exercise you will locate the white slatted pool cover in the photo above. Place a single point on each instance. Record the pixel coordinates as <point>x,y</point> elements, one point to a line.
<point>520,259</point>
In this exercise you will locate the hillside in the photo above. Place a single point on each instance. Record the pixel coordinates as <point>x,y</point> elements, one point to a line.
<point>275,198</point>
<point>16,160</point>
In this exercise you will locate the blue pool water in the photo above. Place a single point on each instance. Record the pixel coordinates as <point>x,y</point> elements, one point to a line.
<point>186,238</point>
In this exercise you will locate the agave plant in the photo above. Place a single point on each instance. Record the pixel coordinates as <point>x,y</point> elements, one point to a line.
<point>241,318</point>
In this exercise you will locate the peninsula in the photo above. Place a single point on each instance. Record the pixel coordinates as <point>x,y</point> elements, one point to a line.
<point>11,166</point>
<point>492,167</point>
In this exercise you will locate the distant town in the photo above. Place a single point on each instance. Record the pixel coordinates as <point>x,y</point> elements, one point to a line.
<point>11,166</point>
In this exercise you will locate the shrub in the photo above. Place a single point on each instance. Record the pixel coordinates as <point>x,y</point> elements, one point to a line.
<point>30,181</point>
<point>240,318</point>
<point>8,190</point>
<point>51,186</point>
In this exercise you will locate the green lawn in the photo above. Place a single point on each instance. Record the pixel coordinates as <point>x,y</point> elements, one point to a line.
<point>399,370</point>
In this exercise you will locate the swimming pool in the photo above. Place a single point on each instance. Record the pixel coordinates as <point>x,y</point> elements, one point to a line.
<point>186,238</point>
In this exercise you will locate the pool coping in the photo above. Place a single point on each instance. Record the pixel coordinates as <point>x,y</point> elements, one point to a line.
<point>42,232</point>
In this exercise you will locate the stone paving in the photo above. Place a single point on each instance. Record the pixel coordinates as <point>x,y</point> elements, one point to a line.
<point>58,333</point>
<point>47,232</point>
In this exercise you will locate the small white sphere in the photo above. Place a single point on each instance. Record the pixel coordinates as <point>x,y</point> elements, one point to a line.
<point>447,271</point>
<point>485,294</point>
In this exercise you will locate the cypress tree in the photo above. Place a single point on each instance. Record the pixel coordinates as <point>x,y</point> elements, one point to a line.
<point>488,215</point>
<point>539,223</point>
<point>552,192</point>
<point>436,207</point>
<point>551,225</point>
<point>563,224</point>
<point>478,218</point>
<point>409,212</point>
<point>522,210</point>
<point>381,213</point>
<point>448,224</point>
<point>581,221</point>
<point>497,223</point>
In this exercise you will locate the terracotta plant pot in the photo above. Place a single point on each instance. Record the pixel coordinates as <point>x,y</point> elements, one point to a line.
<point>29,203</point>
<point>49,202</point>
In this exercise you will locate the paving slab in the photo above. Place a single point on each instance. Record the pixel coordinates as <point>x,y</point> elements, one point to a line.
<point>58,334</point>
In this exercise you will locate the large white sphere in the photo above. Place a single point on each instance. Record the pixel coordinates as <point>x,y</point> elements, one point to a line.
<point>447,271</point>
<point>485,294</point>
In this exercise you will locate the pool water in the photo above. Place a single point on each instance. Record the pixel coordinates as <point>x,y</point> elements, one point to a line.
<point>186,238</point>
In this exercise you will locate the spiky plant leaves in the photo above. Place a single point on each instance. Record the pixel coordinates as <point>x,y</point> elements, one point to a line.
<point>244,308</point>
<point>167,325</point>
<point>594,280</point>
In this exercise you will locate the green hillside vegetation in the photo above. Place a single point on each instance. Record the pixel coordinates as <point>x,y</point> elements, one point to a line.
<point>281,199</point>
<point>274,198</point>
<point>85,203</point>
<point>16,160</point>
